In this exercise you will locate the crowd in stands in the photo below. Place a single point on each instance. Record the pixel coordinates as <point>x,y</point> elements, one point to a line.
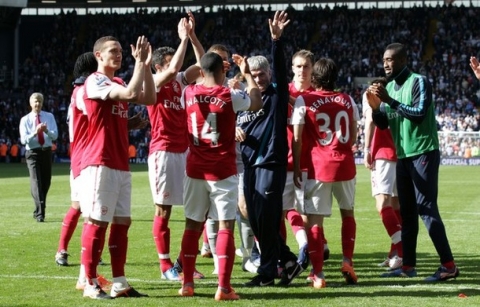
<point>440,39</point>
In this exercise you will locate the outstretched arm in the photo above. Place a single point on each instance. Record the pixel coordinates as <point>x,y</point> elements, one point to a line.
<point>279,75</point>
<point>133,91</point>
<point>193,72</point>
<point>164,76</point>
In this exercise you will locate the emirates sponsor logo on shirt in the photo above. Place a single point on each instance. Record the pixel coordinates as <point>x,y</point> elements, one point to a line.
<point>249,116</point>
<point>120,110</point>
<point>175,104</point>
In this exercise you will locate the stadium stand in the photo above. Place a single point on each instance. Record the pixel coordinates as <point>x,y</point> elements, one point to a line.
<point>441,40</point>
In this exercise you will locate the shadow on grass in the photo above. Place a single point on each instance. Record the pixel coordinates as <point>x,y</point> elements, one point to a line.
<point>18,170</point>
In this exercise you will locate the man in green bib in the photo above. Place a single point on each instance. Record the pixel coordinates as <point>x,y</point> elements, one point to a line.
<point>405,104</point>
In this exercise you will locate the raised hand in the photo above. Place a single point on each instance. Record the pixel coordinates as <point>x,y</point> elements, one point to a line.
<point>475,65</point>
<point>242,63</point>
<point>142,49</point>
<point>373,101</point>
<point>191,22</point>
<point>183,28</point>
<point>278,23</point>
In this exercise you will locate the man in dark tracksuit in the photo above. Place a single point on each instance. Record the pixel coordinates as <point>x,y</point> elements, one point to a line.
<point>264,153</point>
<point>408,109</point>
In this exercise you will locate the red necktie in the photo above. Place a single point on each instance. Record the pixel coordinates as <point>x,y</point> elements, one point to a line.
<point>41,139</point>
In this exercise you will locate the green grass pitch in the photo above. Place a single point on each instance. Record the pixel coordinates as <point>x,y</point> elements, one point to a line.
<point>29,276</point>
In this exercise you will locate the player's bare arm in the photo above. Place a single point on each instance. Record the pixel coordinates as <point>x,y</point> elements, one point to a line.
<point>133,91</point>
<point>291,100</point>
<point>256,102</point>
<point>296,153</point>
<point>475,65</point>
<point>368,134</point>
<point>353,131</point>
<point>165,74</point>
<point>278,23</point>
<point>193,72</point>
<point>148,95</point>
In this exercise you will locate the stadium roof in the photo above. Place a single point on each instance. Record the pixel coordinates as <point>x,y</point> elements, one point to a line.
<point>155,3</point>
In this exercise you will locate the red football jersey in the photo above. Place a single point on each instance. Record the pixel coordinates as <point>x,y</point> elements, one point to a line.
<point>305,154</point>
<point>327,117</point>
<point>168,119</point>
<point>382,145</point>
<point>211,119</point>
<point>77,128</point>
<point>107,137</point>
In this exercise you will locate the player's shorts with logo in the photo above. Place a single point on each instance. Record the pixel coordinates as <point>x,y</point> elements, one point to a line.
<point>106,193</point>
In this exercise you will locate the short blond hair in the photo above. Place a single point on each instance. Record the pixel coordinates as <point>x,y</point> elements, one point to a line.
<point>38,96</point>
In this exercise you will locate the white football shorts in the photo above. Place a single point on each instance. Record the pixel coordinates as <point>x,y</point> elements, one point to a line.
<point>106,193</point>
<point>293,196</point>
<point>166,171</point>
<point>384,179</point>
<point>319,196</point>
<point>216,200</point>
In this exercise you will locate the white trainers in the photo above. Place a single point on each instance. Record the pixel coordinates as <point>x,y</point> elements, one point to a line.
<point>95,292</point>
<point>242,252</point>
<point>251,267</point>
<point>384,263</point>
<point>395,263</point>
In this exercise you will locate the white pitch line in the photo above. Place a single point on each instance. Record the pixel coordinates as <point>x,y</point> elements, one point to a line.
<point>214,281</point>
<point>211,281</point>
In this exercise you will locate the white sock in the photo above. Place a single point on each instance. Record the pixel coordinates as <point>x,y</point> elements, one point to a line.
<point>301,237</point>
<point>212,232</point>
<point>82,277</point>
<point>120,282</point>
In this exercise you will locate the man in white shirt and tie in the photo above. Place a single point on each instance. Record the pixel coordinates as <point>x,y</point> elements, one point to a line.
<point>37,131</point>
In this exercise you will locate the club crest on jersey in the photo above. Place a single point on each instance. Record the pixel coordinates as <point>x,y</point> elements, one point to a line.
<point>104,210</point>
<point>176,88</point>
<point>101,79</point>
<point>120,110</point>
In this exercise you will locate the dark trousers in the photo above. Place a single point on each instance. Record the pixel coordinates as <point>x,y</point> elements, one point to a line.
<point>39,163</point>
<point>417,184</point>
<point>263,189</point>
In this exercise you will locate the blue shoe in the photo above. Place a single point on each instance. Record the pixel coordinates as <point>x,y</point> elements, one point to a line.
<point>303,258</point>
<point>400,273</point>
<point>443,274</point>
<point>171,274</point>
<point>178,266</point>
